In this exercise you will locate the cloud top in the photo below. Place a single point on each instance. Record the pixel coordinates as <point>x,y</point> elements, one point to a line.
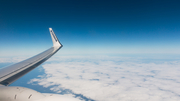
<point>114,78</point>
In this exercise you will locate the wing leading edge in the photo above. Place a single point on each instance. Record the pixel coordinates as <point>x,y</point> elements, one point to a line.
<point>14,72</point>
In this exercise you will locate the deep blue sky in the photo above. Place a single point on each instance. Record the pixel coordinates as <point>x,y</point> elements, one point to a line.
<point>90,26</point>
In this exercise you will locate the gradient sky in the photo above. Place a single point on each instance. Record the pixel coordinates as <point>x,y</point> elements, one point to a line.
<point>90,26</point>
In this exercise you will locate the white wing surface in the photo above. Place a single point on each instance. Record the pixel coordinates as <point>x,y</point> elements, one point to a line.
<point>14,72</point>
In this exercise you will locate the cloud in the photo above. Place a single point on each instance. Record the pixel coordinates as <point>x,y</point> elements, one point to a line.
<point>114,78</point>
<point>12,59</point>
<point>57,97</point>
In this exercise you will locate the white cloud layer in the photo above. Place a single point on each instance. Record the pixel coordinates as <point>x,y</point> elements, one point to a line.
<point>12,59</point>
<point>114,78</point>
<point>58,97</point>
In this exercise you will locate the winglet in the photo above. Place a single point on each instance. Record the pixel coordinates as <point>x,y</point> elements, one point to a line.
<point>54,38</point>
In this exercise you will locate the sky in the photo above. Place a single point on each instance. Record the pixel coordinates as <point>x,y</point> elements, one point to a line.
<point>90,26</point>
<point>140,37</point>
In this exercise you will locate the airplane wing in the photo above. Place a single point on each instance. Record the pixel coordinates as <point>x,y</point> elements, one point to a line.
<point>11,73</point>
